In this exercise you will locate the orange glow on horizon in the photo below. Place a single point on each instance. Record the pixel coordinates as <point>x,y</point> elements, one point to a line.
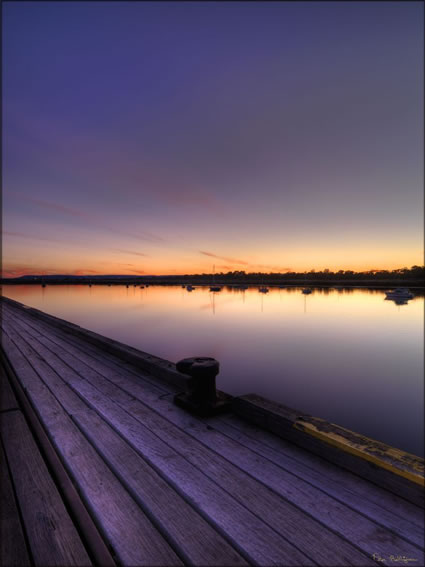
<point>113,256</point>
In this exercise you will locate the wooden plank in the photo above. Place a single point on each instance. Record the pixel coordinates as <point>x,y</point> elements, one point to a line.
<point>339,518</point>
<point>367,535</point>
<point>362,489</point>
<point>7,397</point>
<point>157,386</point>
<point>384,516</point>
<point>126,528</point>
<point>365,497</point>
<point>91,537</point>
<point>52,536</point>
<point>247,532</point>
<point>393,469</point>
<point>197,541</point>
<point>162,368</point>
<point>13,548</point>
<point>381,497</point>
<point>263,502</point>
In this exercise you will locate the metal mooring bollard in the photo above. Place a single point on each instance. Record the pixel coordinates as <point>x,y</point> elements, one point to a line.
<point>201,396</point>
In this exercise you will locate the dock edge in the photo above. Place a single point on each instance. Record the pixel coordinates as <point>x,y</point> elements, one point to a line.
<point>393,469</point>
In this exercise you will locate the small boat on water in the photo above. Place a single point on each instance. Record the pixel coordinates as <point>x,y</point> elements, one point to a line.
<point>214,287</point>
<point>263,290</point>
<point>190,287</point>
<point>306,291</point>
<point>142,287</point>
<point>400,293</point>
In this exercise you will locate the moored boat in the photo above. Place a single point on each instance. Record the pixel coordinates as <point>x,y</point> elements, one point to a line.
<point>400,293</point>
<point>214,287</point>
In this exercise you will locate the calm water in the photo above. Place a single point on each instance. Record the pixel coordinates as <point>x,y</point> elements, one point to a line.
<point>347,356</point>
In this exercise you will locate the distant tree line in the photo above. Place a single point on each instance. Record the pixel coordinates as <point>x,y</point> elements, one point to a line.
<point>414,274</point>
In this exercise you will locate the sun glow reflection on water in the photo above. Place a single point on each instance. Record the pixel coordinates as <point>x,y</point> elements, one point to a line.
<point>346,355</point>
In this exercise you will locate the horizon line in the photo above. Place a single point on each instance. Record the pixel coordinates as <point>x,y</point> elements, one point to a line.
<point>232,272</point>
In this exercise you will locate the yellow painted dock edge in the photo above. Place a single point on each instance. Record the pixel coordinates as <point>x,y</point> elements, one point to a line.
<point>395,460</point>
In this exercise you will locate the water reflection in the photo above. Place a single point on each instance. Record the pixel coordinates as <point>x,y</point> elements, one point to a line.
<point>398,301</point>
<point>346,355</point>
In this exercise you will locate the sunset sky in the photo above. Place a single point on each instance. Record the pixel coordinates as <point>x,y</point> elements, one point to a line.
<point>168,137</point>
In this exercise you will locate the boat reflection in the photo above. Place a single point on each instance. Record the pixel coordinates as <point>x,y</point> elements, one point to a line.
<point>398,301</point>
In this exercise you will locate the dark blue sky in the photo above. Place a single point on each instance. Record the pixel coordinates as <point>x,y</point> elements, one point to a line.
<point>275,134</point>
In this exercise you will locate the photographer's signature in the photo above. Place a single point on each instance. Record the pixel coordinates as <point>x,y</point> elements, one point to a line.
<point>393,558</point>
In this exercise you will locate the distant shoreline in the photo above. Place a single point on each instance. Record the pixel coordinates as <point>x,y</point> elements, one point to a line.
<point>207,280</point>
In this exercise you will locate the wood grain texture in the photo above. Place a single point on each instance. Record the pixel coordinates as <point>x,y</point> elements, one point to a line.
<point>90,353</point>
<point>275,486</point>
<point>52,537</point>
<point>7,397</point>
<point>92,539</point>
<point>124,526</point>
<point>197,541</point>
<point>188,532</point>
<point>360,490</point>
<point>248,533</point>
<point>384,516</point>
<point>162,368</point>
<point>13,548</point>
<point>367,535</point>
<point>371,536</point>
<point>302,431</point>
<point>275,511</point>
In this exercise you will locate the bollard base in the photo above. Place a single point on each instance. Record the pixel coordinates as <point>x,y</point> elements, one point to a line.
<point>222,404</point>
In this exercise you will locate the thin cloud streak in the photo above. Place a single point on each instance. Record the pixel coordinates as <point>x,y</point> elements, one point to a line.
<point>137,271</point>
<point>93,220</point>
<point>57,207</point>
<point>130,252</point>
<point>232,260</point>
<point>31,237</point>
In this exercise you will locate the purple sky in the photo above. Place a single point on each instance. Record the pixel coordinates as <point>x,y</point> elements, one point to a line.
<point>165,137</point>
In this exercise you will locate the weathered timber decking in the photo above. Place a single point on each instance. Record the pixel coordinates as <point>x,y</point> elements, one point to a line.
<point>157,486</point>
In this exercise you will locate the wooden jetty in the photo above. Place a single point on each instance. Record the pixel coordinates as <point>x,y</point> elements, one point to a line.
<point>99,466</point>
